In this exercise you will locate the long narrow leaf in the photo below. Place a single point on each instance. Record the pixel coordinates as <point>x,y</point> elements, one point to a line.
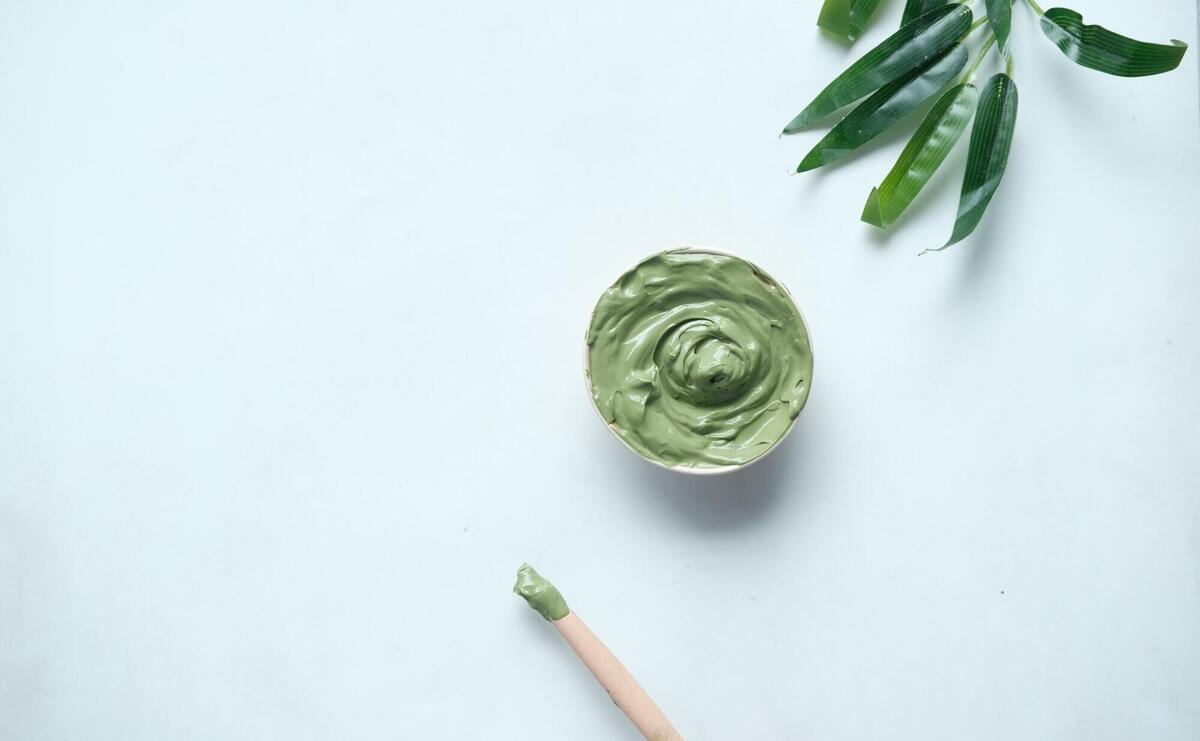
<point>912,46</point>
<point>1098,48</point>
<point>847,18</point>
<point>925,152</point>
<point>999,13</point>
<point>885,107</point>
<point>914,9</point>
<point>991,139</point>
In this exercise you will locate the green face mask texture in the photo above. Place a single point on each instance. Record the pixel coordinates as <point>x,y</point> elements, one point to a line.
<point>540,594</point>
<point>698,360</point>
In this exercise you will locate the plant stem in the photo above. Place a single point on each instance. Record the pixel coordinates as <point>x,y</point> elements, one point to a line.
<point>976,25</point>
<point>1036,8</point>
<point>970,75</point>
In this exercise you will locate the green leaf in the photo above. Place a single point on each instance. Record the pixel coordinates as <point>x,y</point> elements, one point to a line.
<point>914,9</point>
<point>909,48</point>
<point>999,13</point>
<point>847,18</point>
<point>925,152</point>
<point>1100,49</point>
<point>991,138</point>
<point>885,107</point>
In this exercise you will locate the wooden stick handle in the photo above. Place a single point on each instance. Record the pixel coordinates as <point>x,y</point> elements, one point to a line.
<point>624,690</point>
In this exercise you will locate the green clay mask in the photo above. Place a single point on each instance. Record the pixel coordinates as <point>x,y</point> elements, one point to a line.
<point>540,594</point>
<point>698,360</point>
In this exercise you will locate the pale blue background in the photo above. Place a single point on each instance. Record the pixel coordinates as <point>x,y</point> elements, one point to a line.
<point>291,306</point>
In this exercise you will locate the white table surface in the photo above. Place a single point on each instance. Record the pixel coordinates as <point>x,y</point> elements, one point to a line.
<point>291,301</point>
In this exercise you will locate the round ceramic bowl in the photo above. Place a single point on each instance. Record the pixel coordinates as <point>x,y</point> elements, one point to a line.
<point>780,296</point>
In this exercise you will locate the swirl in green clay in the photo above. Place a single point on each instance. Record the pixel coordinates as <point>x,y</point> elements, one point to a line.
<point>698,360</point>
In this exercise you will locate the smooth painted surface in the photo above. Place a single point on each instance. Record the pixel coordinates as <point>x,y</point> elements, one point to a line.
<point>291,304</point>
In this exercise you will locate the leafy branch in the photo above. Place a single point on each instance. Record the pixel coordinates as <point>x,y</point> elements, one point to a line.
<point>927,58</point>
